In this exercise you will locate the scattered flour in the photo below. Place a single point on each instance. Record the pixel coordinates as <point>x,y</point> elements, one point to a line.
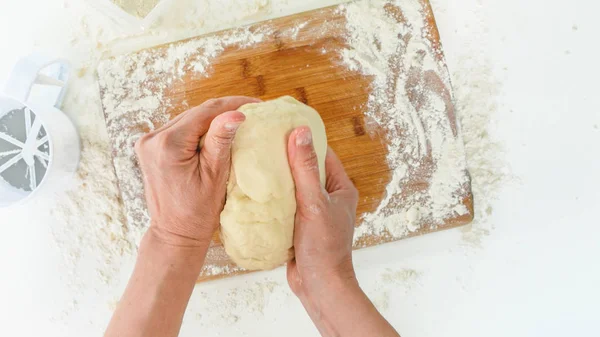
<point>103,226</point>
<point>475,101</point>
<point>392,283</point>
<point>92,236</point>
<point>247,301</point>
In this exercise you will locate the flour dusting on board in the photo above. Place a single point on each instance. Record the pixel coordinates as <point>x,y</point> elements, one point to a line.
<point>389,42</point>
<point>410,100</point>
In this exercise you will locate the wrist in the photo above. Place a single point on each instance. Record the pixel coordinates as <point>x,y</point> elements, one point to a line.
<point>165,235</point>
<point>328,303</point>
<point>331,279</point>
<point>322,289</point>
<point>164,249</point>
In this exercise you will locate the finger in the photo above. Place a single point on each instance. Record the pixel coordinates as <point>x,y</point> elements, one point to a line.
<point>196,121</point>
<point>185,131</point>
<point>209,107</point>
<point>228,103</point>
<point>216,150</point>
<point>337,178</point>
<point>305,171</point>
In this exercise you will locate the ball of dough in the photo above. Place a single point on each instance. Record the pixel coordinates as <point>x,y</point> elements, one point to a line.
<point>257,223</point>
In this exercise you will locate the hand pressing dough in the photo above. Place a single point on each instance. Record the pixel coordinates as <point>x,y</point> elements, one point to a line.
<point>257,223</point>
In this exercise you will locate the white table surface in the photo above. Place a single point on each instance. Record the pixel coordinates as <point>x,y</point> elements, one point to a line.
<point>536,274</point>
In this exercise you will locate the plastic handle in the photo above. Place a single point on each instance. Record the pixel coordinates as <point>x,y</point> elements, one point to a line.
<point>28,72</point>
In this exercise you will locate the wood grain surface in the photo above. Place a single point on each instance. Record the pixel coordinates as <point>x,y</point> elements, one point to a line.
<point>308,67</point>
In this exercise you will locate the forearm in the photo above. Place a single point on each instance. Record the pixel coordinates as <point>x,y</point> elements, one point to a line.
<point>341,308</point>
<point>159,289</point>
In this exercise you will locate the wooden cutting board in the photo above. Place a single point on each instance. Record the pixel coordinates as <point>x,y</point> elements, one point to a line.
<point>307,66</point>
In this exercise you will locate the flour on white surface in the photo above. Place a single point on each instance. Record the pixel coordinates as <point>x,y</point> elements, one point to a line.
<point>475,102</point>
<point>389,284</point>
<point>99,223</point>
<point>93,224</point>
<point>247,301</point>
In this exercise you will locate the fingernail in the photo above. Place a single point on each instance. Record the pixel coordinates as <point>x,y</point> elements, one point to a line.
<point>232,126</point>
<point>304,138</point>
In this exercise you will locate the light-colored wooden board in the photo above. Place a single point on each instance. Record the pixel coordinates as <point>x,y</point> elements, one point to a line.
<point>308,67</point>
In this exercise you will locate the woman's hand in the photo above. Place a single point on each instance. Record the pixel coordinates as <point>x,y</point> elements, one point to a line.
<point>322,275</point>
<point>325,218</point>
<point>185,191</point>
<point>185,186</point>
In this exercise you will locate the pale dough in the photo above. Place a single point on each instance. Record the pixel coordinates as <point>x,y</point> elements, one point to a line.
<point>257,223</point>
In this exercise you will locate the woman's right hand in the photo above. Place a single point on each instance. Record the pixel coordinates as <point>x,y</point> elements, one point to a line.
<point>325,220</point>
<point>322,275</point>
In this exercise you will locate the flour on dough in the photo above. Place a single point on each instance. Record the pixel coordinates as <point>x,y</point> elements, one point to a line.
<point>257,223</point>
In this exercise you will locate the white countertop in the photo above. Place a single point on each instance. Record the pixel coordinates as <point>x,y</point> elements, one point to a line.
<point>536,273</point>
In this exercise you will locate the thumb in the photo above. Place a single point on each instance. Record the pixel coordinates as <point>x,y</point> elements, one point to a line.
<point>215,153</point>
<point>305,171</point>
